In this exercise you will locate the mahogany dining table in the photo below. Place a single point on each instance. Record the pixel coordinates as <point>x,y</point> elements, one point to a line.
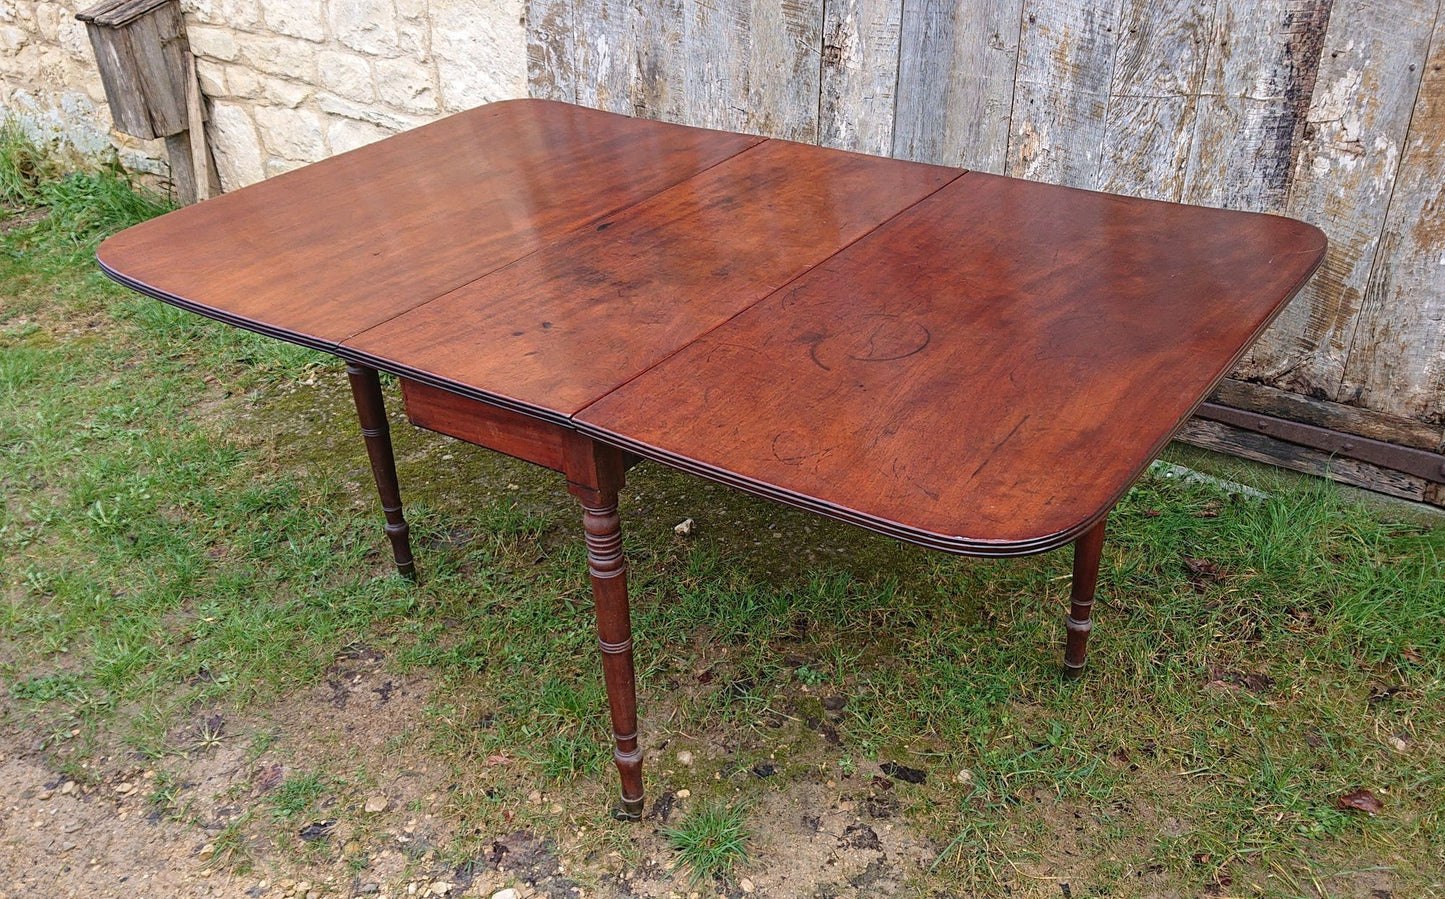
<point>978,364</point>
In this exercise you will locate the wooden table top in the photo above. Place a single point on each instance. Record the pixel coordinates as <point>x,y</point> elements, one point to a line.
<point>974,363</point>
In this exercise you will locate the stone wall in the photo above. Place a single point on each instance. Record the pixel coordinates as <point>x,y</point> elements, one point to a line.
<point>287,82</point>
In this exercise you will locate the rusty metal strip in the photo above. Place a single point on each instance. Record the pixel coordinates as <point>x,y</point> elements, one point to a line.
<point>1417,462</point>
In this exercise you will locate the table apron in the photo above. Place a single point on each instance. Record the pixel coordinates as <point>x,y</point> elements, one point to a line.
<point>516,434</point>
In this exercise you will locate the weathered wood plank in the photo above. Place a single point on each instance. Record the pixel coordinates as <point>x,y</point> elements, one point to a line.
<point>551,37</point>
<point>658,62</point>
<point>1163,47</point>
<point>783,71</point>
<point>1343,176</point>
<point>603,54</point>
<point>157,44</point>
<point>859,74</point>
<point>715,81</point>
<point>1264,57</point>
<point>1061,93</point>
<point>1397,364</point>
<point>1213,435</point>
<point>956,71</point>
<point>122,88</point>
<point>1326,414</point>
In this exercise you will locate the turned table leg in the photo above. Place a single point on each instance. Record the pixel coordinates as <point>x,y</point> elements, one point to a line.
<point>594,476</point>
<point>1087,551</point>
<point>371,409</point>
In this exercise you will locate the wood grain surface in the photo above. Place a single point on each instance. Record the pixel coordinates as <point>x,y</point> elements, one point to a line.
<point>563,326</point>
<point>329,250</point>
<point>987,373</point>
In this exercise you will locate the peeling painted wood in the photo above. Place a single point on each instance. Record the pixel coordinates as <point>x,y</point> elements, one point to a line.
<point>1343,175</point>
<point>859,73</point>
<point>1163,47</point>
<point>1061,94</point>
<point>1264,57</point>
<point>1397,363</point>
<point>957,65</point>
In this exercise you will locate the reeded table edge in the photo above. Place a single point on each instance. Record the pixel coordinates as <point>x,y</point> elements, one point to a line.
<point>326,346</point>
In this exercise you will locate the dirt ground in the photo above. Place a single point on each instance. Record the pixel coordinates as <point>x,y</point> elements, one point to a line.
<point>103,835</point>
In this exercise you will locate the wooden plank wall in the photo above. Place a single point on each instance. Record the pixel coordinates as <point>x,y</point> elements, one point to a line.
<point>1332,111</point>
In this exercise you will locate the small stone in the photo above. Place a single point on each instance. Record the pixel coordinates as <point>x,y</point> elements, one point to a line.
<point>964,776</point>
<point>683,794</point>
<point>440,888</point>
<point>535,797</point>
<point>67,788</point>
<point>46,795</point>
<point>684,758</point>
<point>556,808</point>
<point>207,851</point>
<point>508,893</point>
<point>746,885</point>
<point>67,846</point>
<point>313,894</point>
<point>303,886</point>
<point>73,826</point>
<point>1396,743</point>
<point>376,805</point>
<point>684,527</point>
<point>368,889</point>
<point>125,788</point>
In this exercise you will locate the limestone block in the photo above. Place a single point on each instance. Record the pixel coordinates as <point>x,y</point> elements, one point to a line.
<point>296,18</point>
<point>52,68</point>
<point>232,13</point>
<point>12,38</point>
<point>364,112</point>
<point>238,148</point>
<point>291,133</point>
<point>484,61</point>
<point>279,92</point>
<point>47,19</point>
<point>74,39</point>
<point>368,26</point>
<point>243,81</point>
<point>413,38</point>
<point>212,76</point>
<point>276,167</point>
<point>214,43</point>
<point>279,56</point>
<point>345,74</point>
<point>406,84</point>
<point>348,134</point>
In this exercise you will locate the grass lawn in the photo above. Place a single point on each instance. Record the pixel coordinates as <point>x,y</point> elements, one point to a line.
<point>198,604</point>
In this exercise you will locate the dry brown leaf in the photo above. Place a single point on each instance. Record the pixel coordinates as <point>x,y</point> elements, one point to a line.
<point>1360,801</point>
